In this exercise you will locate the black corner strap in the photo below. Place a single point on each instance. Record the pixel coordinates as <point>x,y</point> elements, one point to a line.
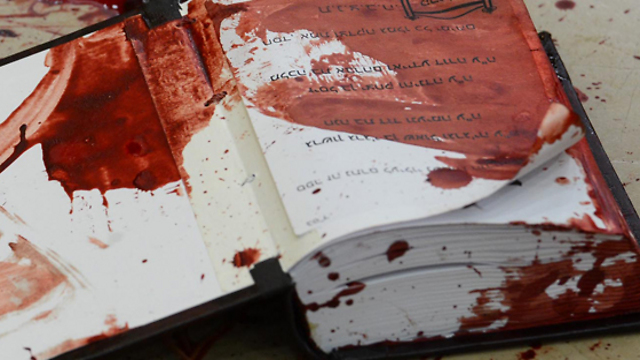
<point>158,12</point>
<point>269,276</point>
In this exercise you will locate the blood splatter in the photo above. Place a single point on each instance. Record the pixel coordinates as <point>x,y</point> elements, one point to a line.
<point>173,55</point>
<point>91,105</point>
<point>322,259</point>
<point>397,249</point>
<point>446,178</point>
<point>581,95</point>
<point>565,4</point>
<point>43,315</point>
<point>102,118</point>
<point>352,288</point>
<point>524,301</point>
<point>246,257</point>
<point>562,180</point>
<point>30,353</point>
<point>98,243</point>
<point>112,330</point>
<point>527,355</point>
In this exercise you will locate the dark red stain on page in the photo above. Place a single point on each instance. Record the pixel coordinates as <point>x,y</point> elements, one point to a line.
<point>565,4</point>
<point>351,289</point>
<point>110,115</point>
<point>585,303</point>
<point>246,257</point>
<point>524,301</point>
<point>94,118</point>
<point>97,242</point>
<point>497,144</point>
<point>449,178</point>
<point>397,249</point>
<point>322,259</point>
<point>31,357</point>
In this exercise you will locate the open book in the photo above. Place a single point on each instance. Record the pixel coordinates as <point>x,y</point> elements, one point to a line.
<point>415,168</point>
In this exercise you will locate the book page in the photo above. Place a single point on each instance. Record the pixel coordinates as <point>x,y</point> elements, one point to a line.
<point>370,114</point>
<point>100,230</point>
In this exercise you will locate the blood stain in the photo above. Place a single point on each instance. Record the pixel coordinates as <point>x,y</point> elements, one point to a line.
<point>322,259</point>
<point>246,257</point>
<point>96,123</point>
<point>351,289</point>
<point>581,95</point>
<point>397,249</point>
<point>446,178</point>
<point>565,4</point>
<point>98,243</point>
<point>528,355</point>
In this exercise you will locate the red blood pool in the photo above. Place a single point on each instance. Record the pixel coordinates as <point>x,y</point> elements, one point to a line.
<point>449,178</point>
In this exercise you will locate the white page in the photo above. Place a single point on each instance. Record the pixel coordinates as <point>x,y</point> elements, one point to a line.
<point>83,264</point>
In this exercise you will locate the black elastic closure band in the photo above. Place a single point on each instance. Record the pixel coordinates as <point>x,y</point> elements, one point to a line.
<point>158,12</point>
<point>269,277</point>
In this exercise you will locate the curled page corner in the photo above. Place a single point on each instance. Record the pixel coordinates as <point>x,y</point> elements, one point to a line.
<point>560,129</point>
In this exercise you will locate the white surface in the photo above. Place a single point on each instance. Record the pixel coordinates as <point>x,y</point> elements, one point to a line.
<point>155,263</point>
